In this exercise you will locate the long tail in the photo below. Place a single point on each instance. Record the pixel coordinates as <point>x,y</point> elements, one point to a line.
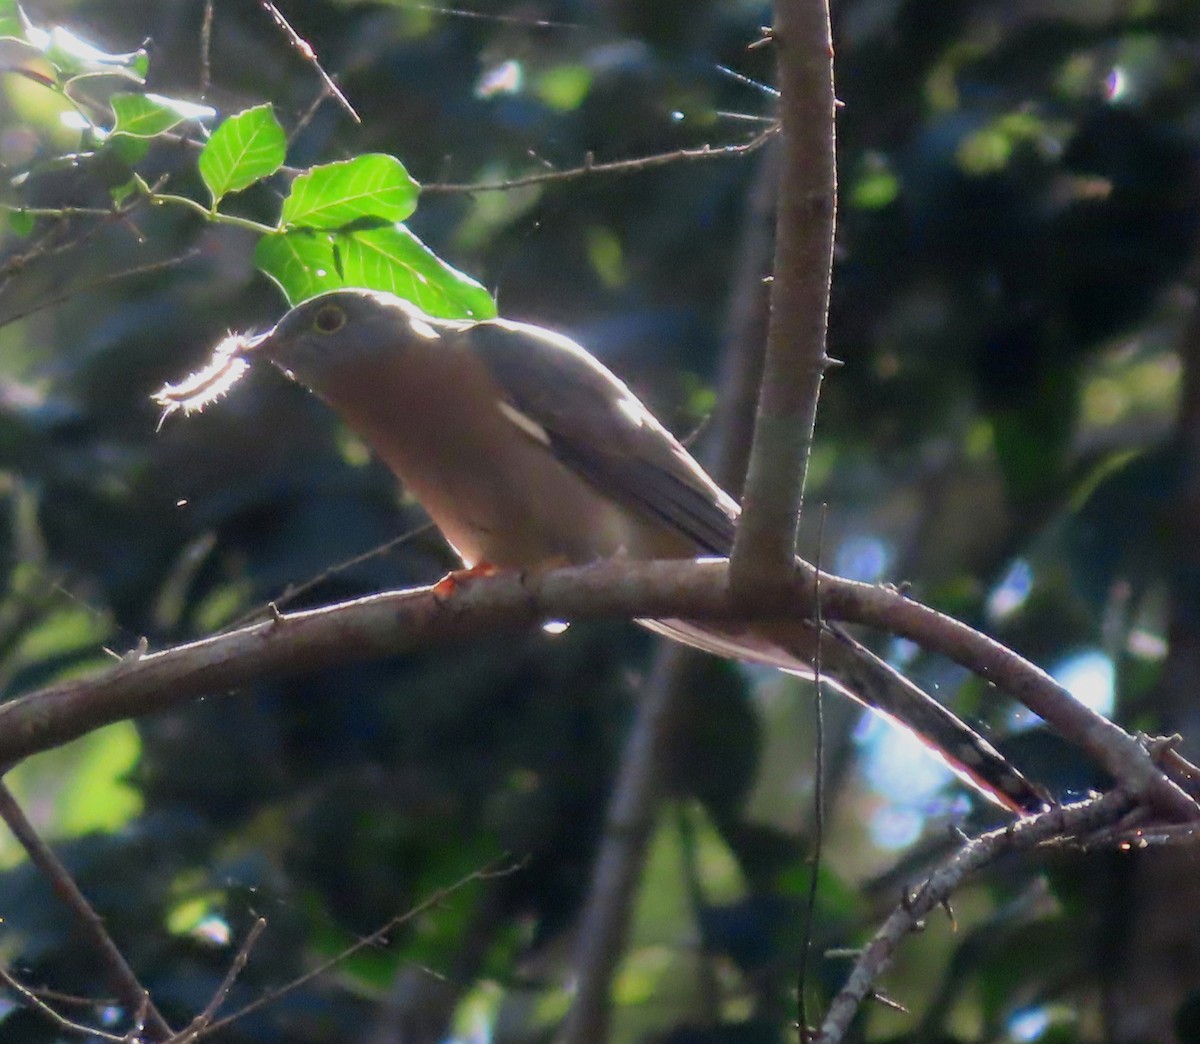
<point>858,672</point>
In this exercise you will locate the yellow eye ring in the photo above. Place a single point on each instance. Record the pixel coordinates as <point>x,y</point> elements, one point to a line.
<point>329,319</point>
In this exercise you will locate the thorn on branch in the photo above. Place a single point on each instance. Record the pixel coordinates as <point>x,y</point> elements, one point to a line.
<point>945,904</point>
<point>1160,745</point>
<point>882,998</point>
<point>766,37</point>
<point>130,658</point>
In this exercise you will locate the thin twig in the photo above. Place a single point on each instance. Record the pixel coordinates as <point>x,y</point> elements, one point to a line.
<point>707,988</point>
<point>206,33</point>
<point>589,166</point>
<point>61,1021</point>
<point>305,50</point>
<point>498,19</point>
<point>818,832</point>
<point>202,1021</point>
<point>294,591</point>
<point>44,249</point>
<point>306,117</point>
<point>764,548</point>
<point>72,999</point>
<point>1058,824</point>
<point>97,284</point>
<point>377,937</point>
<point>116,969</point>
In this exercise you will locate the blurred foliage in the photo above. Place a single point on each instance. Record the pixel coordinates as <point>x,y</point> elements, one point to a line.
<point>1020,207</point>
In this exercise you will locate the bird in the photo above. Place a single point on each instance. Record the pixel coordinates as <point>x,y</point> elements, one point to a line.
<point>527,453</point>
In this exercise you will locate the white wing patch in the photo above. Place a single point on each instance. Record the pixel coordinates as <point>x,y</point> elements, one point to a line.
<point>523,421</point>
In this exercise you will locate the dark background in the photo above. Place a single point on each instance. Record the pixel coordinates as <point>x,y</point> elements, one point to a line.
<point>1016,432</point>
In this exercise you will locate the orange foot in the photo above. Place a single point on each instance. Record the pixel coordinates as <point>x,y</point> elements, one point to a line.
<point>450,583</point>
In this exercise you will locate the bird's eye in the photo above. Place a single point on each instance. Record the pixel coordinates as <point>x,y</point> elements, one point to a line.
<point>330,319</point>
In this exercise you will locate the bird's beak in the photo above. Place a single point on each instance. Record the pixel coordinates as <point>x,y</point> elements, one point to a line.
<point>248,343</point>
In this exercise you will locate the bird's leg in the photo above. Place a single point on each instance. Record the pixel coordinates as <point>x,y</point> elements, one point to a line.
<point>456,578</point>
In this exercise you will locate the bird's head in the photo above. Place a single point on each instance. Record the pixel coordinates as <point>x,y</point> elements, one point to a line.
<point>343,327</point>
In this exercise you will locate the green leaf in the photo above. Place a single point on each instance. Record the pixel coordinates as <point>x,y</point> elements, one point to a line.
<point>304,264</point>
<point>73,56</point>
<point>301,263</point>
<point>395,260</point>
<point>148,115</point>
<point>337,194</point>
<point>120,193</point>
<point>128,149</point>
<point>20,222</point>
<point>20,56</point>
<point>244,149</point>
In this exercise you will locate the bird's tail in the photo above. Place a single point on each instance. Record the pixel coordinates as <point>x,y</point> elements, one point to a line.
<point>857,671</point>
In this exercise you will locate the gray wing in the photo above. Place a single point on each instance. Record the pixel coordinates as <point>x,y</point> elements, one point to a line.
<point>597,427</point>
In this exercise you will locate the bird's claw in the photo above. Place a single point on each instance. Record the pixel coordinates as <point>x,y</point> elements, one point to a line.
<point>449,584</point>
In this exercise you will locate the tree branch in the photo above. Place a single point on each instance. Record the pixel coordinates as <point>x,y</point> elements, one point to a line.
<point>1063,823</point>
<point>403,621</point>
<point>120,975</point>
<point>632,812</point>
<point>590,167</point>
<point>727,453</point>
<point>638,790</point>
<point>765,547</point>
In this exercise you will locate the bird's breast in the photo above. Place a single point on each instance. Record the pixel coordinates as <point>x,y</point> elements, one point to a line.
<point>497,492</point>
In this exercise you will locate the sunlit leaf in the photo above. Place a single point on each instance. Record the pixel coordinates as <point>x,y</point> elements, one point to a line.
<point>10,19</point>
<point>336,194</point>
<point>128,149</point>
<point>301,263</point>
<point>392,258</point>
<point>73,56</point>
<point>20,56</point>
<point>244,149</point>
<point>148,115</point>
<point>395,260</point>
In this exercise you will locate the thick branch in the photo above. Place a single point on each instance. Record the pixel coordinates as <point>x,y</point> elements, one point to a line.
<point>638,787</point>
<point>765,547</point>
<point>727,453</point>
<point>400,622</point>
